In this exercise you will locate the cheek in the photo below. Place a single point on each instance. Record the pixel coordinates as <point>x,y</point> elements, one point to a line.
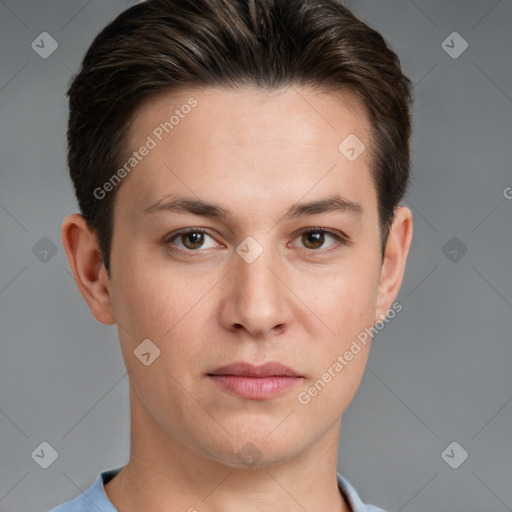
<point>345,301</point>
<point>165,306</point>
<point>147,298</point>
<point>340,358</point>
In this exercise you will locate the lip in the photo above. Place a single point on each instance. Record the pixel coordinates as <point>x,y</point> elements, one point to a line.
<point>268,369</point>
<point>257,382</point>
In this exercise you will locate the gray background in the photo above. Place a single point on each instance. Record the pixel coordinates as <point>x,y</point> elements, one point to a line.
<point>438,372</point>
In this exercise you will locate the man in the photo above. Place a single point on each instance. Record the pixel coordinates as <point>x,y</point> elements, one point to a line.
<point>239,167</point>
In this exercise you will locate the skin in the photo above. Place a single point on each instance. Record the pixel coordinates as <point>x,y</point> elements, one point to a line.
<point>300,302</point>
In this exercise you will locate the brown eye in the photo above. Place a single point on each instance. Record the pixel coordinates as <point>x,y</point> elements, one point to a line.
<point>313,240</point>
<point>192,240</point>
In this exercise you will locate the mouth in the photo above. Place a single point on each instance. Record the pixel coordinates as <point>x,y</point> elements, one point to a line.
<point>257,382</point>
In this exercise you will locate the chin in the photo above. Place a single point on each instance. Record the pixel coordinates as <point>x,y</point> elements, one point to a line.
<point>257,449</point>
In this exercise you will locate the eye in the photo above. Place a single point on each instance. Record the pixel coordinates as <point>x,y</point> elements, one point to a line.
<point>191,239</point>
<point>314,238</point>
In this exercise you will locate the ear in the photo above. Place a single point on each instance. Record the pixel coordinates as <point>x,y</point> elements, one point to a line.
<point>393,264</point>
<point>87,266</point>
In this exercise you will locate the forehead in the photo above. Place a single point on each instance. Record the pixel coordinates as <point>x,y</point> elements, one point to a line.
<point>297,115</point>
<point>248,143</point>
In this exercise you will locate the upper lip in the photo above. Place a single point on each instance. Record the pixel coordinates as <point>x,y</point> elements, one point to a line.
<point>269,369</point>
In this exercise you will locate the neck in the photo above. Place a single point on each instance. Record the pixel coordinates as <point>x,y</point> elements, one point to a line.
<point>163,471</point>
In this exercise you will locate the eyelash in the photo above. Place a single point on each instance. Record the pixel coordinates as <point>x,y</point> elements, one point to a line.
<point>341,239</point>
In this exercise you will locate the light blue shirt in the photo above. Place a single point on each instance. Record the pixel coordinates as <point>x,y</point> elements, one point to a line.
<point>95,499</point>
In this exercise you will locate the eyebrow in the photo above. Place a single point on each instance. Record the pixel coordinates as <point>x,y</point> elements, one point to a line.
<point>331,204</point>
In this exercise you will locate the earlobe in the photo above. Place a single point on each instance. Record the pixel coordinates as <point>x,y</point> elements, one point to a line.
<point>87,266</point>
<point>395,257</point>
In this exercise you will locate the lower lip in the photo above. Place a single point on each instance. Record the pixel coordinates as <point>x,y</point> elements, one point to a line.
<point>257,388</point>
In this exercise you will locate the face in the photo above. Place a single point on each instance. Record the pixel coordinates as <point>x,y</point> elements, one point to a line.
<point>246,281</point>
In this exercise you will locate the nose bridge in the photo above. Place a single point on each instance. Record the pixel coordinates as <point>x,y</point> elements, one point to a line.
<point>259,297</point>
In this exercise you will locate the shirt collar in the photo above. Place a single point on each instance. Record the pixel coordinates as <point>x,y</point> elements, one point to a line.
<point>346,489</point>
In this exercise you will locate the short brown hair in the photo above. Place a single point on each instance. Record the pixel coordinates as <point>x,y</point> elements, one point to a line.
<point>165,45</point>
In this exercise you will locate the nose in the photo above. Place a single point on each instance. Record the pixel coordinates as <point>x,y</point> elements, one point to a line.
<point>256,298</point>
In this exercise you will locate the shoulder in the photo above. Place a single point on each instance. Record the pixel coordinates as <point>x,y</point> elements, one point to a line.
<point>93,498</point>
<point>78,504</point>
<point>353,498</point>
